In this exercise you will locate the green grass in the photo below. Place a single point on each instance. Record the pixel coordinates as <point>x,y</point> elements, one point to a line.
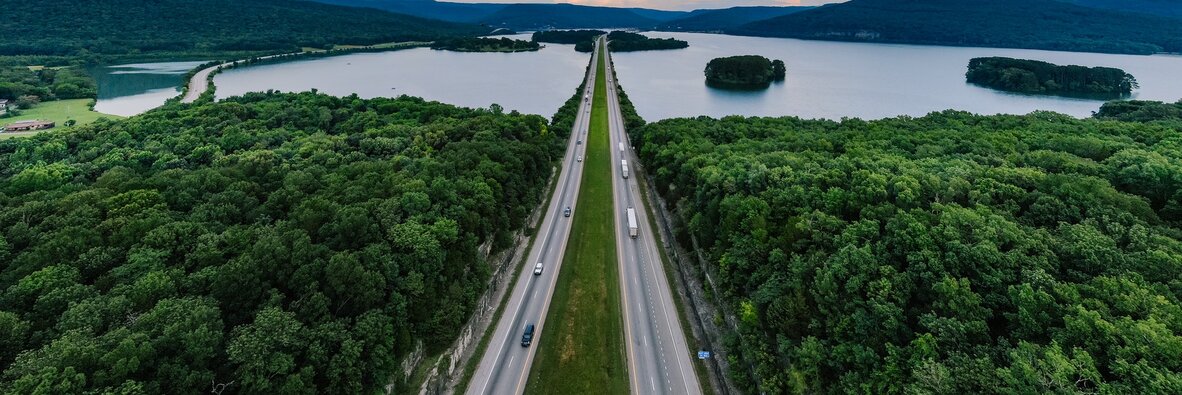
<point>581,348</point>
<point>57,111</point>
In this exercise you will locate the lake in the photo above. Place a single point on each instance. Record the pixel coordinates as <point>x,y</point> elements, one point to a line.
<point>529,82</point>
<point>829,79</point>
<point>131,89</point>
<point>825,79</point>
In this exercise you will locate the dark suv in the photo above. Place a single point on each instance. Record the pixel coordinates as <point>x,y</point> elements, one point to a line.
<point>528,337</point>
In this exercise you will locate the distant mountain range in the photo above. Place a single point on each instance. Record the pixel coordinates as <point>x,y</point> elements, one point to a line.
<point>529,16</point>
<point>1170,8</point>
<point>726,19</point>
<point>1037,24</point>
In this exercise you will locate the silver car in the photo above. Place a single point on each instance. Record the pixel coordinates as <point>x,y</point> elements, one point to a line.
<point>538,268</point>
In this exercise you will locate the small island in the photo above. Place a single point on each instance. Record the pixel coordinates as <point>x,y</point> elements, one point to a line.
<point>483,44</point>
<point>744,72</point>
<point>620,41</point>
<point>1032,76</point>
<point>567,36</point>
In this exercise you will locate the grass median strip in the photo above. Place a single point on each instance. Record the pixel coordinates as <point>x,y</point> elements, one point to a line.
<point>581,349</point>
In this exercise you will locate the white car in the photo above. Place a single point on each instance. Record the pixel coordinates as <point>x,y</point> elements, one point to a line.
<point>538,268</point>
<point>579,158</point>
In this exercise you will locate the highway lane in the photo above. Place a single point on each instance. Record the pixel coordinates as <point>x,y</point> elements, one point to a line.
<point>659,358</point>
<point>505,365</point>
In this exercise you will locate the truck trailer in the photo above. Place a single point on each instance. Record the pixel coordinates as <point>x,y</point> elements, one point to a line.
<point>633,230</point>
<point>624,167</point>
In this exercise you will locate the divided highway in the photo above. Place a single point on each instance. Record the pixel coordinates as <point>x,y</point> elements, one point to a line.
<point>505,365</point>
<point>658,356</point>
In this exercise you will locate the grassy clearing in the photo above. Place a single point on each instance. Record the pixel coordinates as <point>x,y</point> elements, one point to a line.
<point>581,349</point>
<point>58,111</point>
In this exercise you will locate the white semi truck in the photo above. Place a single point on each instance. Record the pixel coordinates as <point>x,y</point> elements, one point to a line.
<point>632,229</point>
<point>624,167</point>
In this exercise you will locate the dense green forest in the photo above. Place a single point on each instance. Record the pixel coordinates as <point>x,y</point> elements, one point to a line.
<point>1140,111</point>
<point>744,72</point>
<point>566,36</point>
<point>948,254</point>
<point>1038,24</point>
<point>621,41</point>
<point>1032,76</point>
<point>483,44</point>
<point>276,243</point>
<point>123,27</point>
<point>46,84</point>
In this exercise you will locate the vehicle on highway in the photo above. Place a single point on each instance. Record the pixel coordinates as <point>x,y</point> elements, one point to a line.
<point>579,158</point>
<point>621,148</point>
<point>566,213</point>
<point>538,268</point>
<point>580,141</point>
<point>528,336</point>
<point>624,167</point>
<point>633,230</point>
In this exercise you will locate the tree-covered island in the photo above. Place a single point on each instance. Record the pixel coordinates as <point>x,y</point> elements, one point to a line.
<point>744,72</point>
<point>1032,76</point>
<point>484,44</point>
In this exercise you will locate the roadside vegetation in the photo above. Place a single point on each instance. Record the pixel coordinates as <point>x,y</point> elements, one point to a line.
<point>1032,76</point>
<point>581,348</point>
<point>951,253</point>
<point>269,243</point>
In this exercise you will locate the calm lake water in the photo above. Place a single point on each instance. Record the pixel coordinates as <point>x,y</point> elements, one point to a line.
<point>825,79</point>
<point>870,81</point>
<point>530,82</point>
<point>131,89</point>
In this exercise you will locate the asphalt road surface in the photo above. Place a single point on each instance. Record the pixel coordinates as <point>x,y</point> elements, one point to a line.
<point>658,357</point>
<point>505,365</point>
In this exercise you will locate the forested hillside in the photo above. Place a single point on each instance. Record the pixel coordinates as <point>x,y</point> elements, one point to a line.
<point>948,254</point>
<point>726,19</point>
<point>274,243</point>
<point>1171,8</point>
<point>1038,24</point>
<point>54,27</point>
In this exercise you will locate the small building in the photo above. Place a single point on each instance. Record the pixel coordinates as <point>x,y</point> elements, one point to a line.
<point>3,106</point>
<point>22,126</point>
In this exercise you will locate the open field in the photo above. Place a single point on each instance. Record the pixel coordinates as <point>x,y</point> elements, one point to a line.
<point>581,349</point>
<point>58,111</point>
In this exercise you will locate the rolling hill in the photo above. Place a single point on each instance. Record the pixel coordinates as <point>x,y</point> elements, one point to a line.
<point>1037,24</point>
<point>1170,8</point>
<point>522,16</point>
<point>444,11</point>
<point>134,26</point>
<point>568,16</point>
<point>726,19</point>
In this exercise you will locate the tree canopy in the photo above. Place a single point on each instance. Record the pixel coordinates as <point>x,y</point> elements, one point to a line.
<point>621,41</point>
<point>46,83</point>
<point>1032,76</point>
<point>277,243</point>
<point>952,253</point>
<point>744,71</point>
<point>484,44</point>
<point>117,27</point>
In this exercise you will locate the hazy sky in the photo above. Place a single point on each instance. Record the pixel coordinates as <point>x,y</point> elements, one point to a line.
<point>666,4</point>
